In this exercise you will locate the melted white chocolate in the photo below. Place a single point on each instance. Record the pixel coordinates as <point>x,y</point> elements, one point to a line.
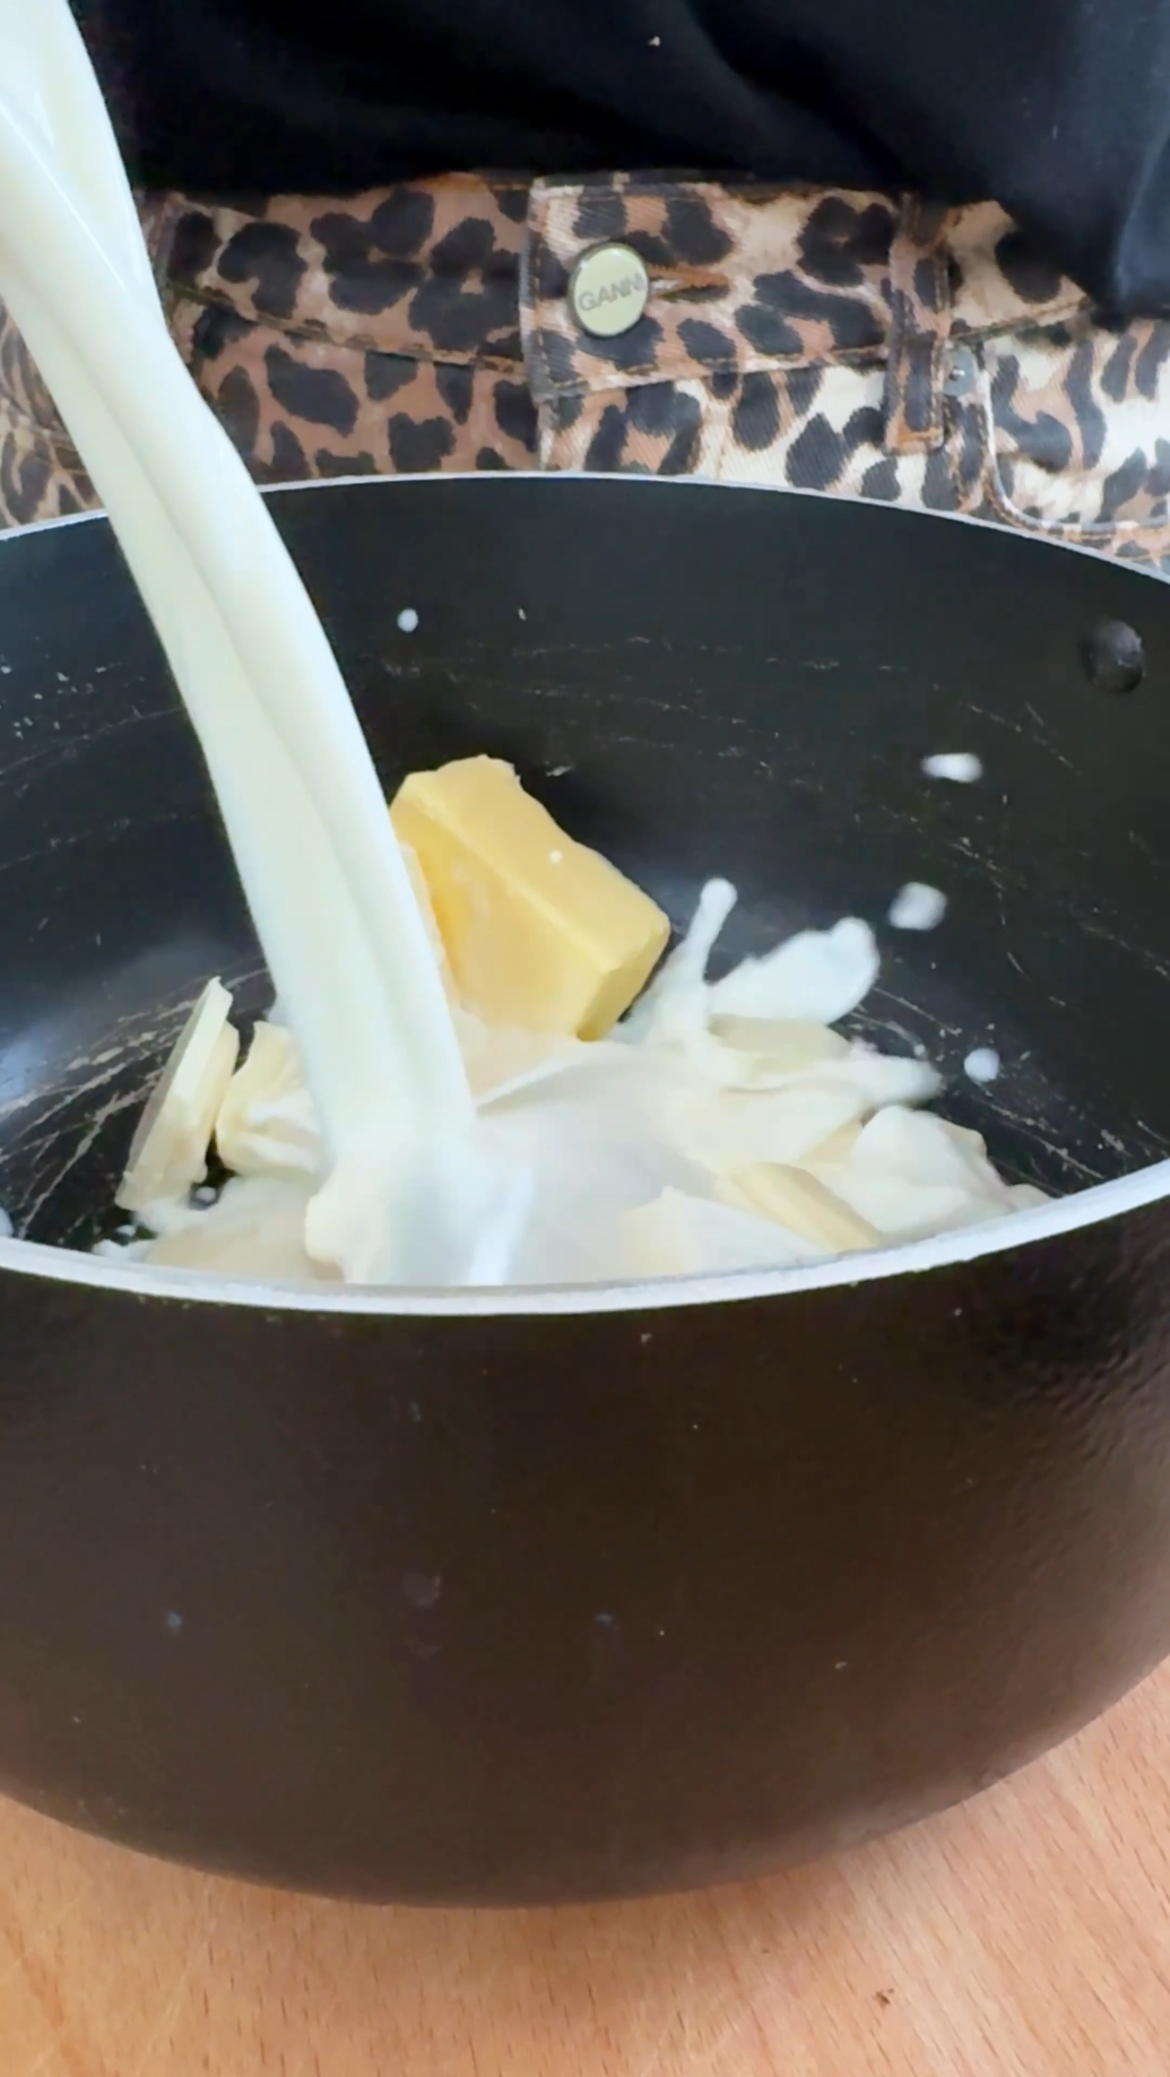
<point>696,1140</point>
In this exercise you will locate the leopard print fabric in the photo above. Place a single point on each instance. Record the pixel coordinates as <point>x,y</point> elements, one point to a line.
<point>846,343</point>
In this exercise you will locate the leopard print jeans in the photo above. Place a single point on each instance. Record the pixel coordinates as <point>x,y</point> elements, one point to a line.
<point>835,342</point>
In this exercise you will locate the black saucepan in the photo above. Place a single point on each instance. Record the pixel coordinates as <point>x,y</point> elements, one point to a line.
<point>569,1594</point>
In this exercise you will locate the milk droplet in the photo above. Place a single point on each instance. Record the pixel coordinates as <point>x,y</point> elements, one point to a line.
<point>960,765</point>
<point>917,907</point>
<point>982,1065</point>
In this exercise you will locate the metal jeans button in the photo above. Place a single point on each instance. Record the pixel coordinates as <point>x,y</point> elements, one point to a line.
<point>609,290</point>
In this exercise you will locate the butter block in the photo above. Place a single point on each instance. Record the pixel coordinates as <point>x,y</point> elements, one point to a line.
<point>540,932</point>
<point>422,895</point>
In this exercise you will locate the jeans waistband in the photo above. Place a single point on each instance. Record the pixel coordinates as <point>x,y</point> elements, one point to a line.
<point>743,276</point>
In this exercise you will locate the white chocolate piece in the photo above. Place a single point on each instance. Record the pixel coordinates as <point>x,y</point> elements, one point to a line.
<point>257,1229</point>
<point>681,1235</point>
<point>168,1154</point>
<point>801,1203</point>
<point>267,1124</point>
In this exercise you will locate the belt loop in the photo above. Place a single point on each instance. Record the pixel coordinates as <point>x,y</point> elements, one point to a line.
<point>920,327</point>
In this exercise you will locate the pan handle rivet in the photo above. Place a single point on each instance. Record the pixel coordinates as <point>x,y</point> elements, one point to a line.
<point>1114,657</point>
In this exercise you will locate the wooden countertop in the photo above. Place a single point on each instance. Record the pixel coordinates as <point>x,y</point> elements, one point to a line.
<point>1027,1935</point>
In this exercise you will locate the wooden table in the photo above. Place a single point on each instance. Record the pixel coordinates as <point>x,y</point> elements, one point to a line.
<point>1027,1935</point>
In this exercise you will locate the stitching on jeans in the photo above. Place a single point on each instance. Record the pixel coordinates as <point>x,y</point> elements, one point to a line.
<point>1090,533</point>
<point>636,184</point>
<point>1012,328</point>
<point>686,370</point>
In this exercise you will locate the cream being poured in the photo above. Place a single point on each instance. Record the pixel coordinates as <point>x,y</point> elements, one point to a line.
<point>404,1196</point>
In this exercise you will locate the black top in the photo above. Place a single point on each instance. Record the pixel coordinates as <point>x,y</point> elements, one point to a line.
<point>1058,109</point>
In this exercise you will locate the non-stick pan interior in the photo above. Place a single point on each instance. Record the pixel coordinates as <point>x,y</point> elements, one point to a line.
<point>696,679</point>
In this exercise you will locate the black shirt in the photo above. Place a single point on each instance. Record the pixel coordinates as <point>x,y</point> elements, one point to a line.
<point>1058,109</point>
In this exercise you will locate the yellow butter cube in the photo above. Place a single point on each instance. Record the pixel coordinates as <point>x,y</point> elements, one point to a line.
<point>540,932</point>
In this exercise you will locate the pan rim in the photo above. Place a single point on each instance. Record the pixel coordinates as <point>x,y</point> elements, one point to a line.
<point>499,478</point>
<point>1021,1231</point>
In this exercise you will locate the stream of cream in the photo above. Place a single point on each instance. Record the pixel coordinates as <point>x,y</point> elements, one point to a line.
<point>404,1197</point>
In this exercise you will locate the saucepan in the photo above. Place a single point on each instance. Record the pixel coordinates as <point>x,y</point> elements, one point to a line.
<point>517,1595</point>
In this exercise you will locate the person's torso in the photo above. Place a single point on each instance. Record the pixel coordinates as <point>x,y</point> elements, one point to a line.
<point>1058,109</point>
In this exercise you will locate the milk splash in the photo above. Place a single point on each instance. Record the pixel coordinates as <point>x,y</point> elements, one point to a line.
<point>718,1128</point>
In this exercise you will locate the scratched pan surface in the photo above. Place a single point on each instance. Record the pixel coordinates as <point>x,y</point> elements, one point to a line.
<point>584,1599</point>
